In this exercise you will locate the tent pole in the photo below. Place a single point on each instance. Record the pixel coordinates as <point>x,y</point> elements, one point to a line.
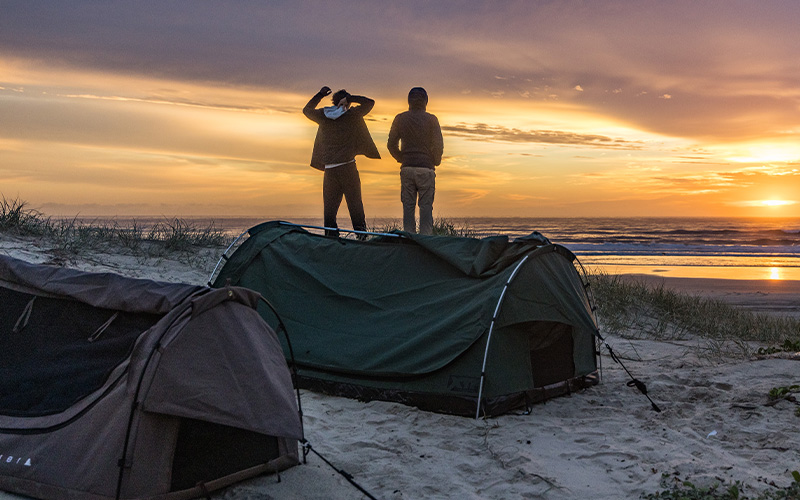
<point>224,257</point>
<point>489,337</point>
<point>293,366</point>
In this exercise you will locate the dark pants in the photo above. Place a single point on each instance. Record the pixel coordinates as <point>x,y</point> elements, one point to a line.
<point>338,182</point>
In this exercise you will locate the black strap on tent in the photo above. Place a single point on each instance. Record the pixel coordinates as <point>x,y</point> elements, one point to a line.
<point>103,327</point>
<point>23,319</point>
<point>589,294</point>
<point>633,382</point>
<point>307,448</point>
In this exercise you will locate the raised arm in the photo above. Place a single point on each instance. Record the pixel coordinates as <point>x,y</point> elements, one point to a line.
<point>310,109</point>
<point>365,104</point>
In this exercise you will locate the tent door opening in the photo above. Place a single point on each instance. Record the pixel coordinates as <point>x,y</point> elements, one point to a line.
<point>206,451</point>
<point>551,352</point>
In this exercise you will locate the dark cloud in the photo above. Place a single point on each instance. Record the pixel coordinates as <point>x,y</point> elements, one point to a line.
<point>720,61</point>
<point>484,132</point>
<point>250,43</point>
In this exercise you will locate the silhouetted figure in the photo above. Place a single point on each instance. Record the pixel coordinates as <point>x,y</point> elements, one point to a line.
<point>342,134</point>
<point>415,140</point>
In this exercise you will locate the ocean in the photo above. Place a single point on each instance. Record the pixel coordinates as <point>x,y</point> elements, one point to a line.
<point>732,248</point>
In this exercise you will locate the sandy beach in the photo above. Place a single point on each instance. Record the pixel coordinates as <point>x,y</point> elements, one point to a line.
<point>605,442</point>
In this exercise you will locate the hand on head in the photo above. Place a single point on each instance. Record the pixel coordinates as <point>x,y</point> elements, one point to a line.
<point>341,98</point>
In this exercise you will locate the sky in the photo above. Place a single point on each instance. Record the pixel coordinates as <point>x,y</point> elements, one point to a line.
<point>548,108</point>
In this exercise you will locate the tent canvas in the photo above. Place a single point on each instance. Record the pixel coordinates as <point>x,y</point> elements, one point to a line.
<point>456,325</point>
<point>113,387</point>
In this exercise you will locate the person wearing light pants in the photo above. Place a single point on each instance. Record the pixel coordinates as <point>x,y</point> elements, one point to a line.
<point>415,141</point>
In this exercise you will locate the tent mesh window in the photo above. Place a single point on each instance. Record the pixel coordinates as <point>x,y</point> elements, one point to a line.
<point>49,361</point>
<point>551,351</point>
<point>206,451</point>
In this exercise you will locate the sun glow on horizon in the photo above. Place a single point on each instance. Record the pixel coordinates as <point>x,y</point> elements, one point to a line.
<point>776,203</point>
<point>772,203</point>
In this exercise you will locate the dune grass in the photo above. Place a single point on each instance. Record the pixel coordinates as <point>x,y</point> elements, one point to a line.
<point>677,489</point>
<point>71,237</point>
<point>634,309</point>
<point>441,227</point>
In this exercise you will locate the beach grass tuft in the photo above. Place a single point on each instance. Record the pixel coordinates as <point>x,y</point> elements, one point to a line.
<point>677,489</point>
<point>631,308</point>
<point>17,217</point>
<point>441,227</point>
<point>71,237</point>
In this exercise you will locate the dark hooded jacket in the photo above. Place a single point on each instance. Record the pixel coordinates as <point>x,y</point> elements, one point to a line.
<point>415,139</point>
<point>340,140</point>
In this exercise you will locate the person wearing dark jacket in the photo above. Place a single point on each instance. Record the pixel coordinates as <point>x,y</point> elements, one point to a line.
<point>342,134</point>
<point>415,141</point>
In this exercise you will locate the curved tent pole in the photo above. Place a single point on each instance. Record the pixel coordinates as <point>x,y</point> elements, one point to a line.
<point>224,256</point>
<point>122,462</point>
<point>491,328</point>
<point>282,326</point>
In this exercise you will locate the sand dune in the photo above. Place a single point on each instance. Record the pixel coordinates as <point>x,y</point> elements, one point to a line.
<point>605,442</point>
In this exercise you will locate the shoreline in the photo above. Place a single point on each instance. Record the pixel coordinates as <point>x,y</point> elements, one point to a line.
<point>757,273</point>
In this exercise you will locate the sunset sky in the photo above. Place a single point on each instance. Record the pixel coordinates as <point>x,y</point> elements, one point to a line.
<point>548,108</point>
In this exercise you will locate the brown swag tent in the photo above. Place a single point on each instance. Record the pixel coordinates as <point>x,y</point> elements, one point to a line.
<point>112,387</point>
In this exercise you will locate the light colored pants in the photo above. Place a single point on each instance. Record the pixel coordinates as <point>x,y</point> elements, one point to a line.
<point>417,185</point>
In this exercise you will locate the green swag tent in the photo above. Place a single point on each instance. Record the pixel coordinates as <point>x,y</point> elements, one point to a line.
<point>454,325</point>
